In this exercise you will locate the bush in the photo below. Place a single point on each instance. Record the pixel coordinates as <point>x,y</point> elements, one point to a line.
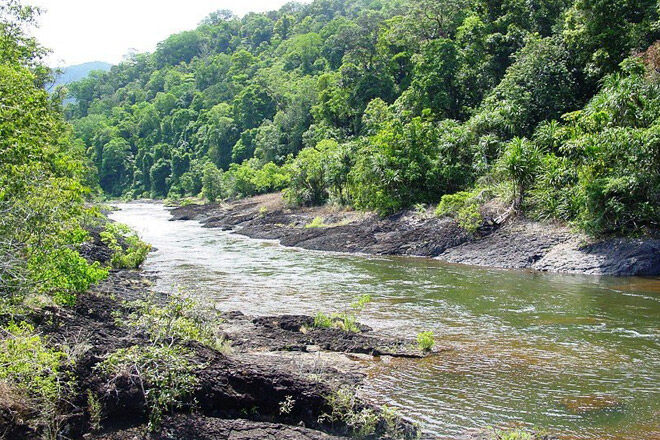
<point>35,372</point>
<point>425,341</point>
<point>128,251</point>
<point>308,184</point>
<point>464,207</point>
<point>163,373</point>
<point>212,183</point>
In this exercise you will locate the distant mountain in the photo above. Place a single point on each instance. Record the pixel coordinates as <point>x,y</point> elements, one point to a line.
<point>75,73</point>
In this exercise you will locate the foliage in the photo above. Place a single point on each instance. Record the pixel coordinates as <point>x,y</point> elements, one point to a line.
<point>425,341</point>
<point>43,176</point>
<point>347,320</point>
<point>164,374</point>
<point>384,105</point>
<point>180,319</point>
<point>604,171</point>
<point>128,251</point>
<point>35,372</point>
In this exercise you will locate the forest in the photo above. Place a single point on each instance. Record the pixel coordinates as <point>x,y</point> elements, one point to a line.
<point>548,107</point>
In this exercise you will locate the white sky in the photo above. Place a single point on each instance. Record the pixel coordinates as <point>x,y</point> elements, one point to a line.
<point>105,30</point>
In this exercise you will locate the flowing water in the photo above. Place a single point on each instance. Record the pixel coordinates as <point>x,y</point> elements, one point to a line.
<point>578,355</point>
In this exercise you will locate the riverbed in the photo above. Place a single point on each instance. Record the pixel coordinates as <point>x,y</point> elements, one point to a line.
<point>577,355</point>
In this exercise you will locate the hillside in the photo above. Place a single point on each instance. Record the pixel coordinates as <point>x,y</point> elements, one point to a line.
<point>486,108</point>
<point>75,73</point>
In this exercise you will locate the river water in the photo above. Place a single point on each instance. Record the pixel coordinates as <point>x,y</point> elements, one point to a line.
<point>577,355</point>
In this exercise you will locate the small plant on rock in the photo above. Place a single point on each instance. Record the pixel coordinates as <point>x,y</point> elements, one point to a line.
<point>316,223</point>
<point>425,341</point>
<point>346,321</point>
<point>179,319</point>
<point>95,411</point>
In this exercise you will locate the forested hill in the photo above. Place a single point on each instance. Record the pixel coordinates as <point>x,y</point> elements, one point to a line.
<point>546,106</point>
<point>71,74</point>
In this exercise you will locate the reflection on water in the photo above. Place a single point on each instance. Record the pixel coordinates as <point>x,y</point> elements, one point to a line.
<point>576,354</point>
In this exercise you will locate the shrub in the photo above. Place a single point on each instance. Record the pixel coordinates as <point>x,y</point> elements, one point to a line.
<point>179,319</point>
<point>450,204</point>
<point>35,372</point>
<point>519,163</point>
<point>464,206</point>
<point>163,373</point>
<point>128,251</point>
<point>308,184</point>
<point>316,223</point>
<point>425,341</point>
<point>469,218</point>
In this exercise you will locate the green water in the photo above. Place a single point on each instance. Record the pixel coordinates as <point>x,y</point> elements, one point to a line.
<point>578,355</point>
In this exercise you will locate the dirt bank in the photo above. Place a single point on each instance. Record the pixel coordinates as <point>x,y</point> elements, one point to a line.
<point>519,243</point>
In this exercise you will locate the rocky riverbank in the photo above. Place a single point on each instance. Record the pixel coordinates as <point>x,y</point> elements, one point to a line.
<point>516,244</point>
<point>274,377</point>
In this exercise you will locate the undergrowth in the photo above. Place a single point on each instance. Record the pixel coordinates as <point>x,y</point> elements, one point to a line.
<point>128,251</point>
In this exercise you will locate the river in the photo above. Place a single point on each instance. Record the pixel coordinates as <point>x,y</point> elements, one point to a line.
<point>577,355</point>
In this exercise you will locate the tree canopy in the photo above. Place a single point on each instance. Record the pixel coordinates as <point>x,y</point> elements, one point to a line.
<point>420,99</point>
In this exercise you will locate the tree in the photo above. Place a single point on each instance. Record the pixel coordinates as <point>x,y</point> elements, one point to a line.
<point>212,183</point>
<point>159,173</point>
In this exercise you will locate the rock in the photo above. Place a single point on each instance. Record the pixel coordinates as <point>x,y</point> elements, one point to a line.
<point>519,244</point>
<point>591,404</point>
<point>191,427</point>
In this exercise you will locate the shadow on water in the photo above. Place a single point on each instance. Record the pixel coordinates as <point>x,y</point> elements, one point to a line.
<point>576,354</point>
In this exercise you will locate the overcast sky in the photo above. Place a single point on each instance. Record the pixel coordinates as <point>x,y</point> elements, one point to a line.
<point>105,30</point>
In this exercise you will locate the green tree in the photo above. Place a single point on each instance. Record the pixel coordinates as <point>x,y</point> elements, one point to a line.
<point>212,183</point>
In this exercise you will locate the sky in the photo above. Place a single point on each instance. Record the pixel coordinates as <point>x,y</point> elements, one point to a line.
<point>79,31</point>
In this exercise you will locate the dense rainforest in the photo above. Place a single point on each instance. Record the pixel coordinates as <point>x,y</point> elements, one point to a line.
<point>546,107</point>
<point>549,106</point>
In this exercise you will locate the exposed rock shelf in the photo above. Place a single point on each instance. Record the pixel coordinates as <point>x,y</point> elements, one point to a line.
<point>518,244</point>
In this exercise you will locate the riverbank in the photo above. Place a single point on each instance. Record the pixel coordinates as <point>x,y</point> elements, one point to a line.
<point>145,365</point>
<point>517,244</point>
